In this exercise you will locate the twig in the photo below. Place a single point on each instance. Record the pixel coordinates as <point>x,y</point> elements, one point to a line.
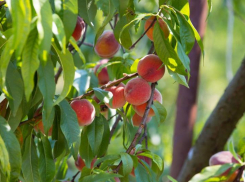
<point>111,25</point>
<point>239,175</point>
<point>115,20</point>
<point>110,84</point>
<point>152,23</point>
<point>88,44</point>
<point>73,178</point>
<point>119,117</point>
<point>56,77</point>
<point>144,136</point>
<point>39,116</point>
<point>142,125</point>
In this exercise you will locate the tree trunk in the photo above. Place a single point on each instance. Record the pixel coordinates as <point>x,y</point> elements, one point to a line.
<point>218,127</point>
<point>186,102</point>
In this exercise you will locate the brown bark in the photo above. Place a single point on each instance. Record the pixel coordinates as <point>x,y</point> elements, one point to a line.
<point>218,127</point>
<point>187,98</point>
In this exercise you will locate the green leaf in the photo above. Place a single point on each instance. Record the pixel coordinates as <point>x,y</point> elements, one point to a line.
<point>59,32</point>
<point>171,179</point>
<point>13,147</point>
<point>30,62</point>
<point>46,161</point>
<point>47,86</point>
<point>44,26</point>
<point>67,11</point>
<point>160,111</point>
<point>209,7</point>
<point>4,62</point>
<point>85,150</point>
<point>155,158</point>
<point>179,78</point>
<point>87,10</point>
<point>106,158</point>
<point>74,44</point>
<point>62,169</point>
<point>241,146</point>
<point>67,63</point>
<point>166,53</point>
<point>232,150</point>
<point>127,163</point>
<point>103,95</point>
<point>100,177</point>
<point>141,174</point>
<point>111,11</point>
<point>186,33</point>
<point>14,120</point>
<point>95,134</point>
<point>4,160</point>
<point>183,57</point>
<point>105,139</point>
<point>30,161</point>
<point>21,20</point>
<point>15,87</point>
<point>68,123</point>
<point>212,171</point>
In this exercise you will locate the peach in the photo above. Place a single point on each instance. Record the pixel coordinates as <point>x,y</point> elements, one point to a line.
<point>137,119</point>
<point>118,99</point>
<point>140,109</point>
<point>79,163</point>
<point>79,29</point>
<point>221,158</point>
<point>162,24</point>
<point>103,76</point>
<point>84,110</point>
<point>137,91</point>
<point>106,45</point>
<point>151,68</point>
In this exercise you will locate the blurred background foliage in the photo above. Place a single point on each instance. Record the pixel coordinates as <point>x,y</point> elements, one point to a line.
<point>212,81</point>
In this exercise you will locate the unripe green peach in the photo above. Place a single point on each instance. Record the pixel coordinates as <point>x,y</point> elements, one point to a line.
<point>137,91</point>
<point>140,109</point>
<point>151,68</point>
<point>118,99</point>
<point>103,76</point>
<point>84,110</point>
<point>162,24</point>
<point>106,45</point>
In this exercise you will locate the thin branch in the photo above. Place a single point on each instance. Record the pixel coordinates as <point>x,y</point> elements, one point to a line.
<point>73,178</point>
<point>110,84</point>
<point>144,136</point>
<point>111,25</point>
<point>119,117</point>
<point>39,116</point>
<point>115,20</point>
<point>56,77</point>
<point>142,125</point>
<point>151,50</point>
<point>239,175</point>
<point>88,44</point>
<point>152,23</point>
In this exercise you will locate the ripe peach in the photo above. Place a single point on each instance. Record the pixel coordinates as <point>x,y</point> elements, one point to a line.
<point>162,24</point>
<point>151,68</point>
<point>140,109</point>
<point>79,163</point>
<point>106,46</point>
<point>85,111</point>
<point>137,119</point>
<point>118,96</point>
<point>137,91</point>
<point>79,29</point>
<point>103,76</point>
<point>221,158</point>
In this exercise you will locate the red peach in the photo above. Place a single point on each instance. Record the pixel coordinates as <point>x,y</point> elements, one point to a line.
<point>103,76</point>
<point>79,163</point>
<point>140,109</point>
<point>151,68</point>
<point>137,119</point>
<point>137,91</point>
<point>85,111</point>
<point>79,29</point>
<point>106,45</point>
<point>162,24</point>
<point>118,100</point>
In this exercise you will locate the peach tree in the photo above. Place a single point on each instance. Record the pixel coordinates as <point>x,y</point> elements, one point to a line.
<point>40,128</point>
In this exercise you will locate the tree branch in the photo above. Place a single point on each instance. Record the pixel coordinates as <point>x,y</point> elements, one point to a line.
<point>239,175</point>
<point>39,116</point>
<point>119,117</point>
<point>74,177</point>
<point>218,127</point>
<point>142,125</point>
<point>110,84</point>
